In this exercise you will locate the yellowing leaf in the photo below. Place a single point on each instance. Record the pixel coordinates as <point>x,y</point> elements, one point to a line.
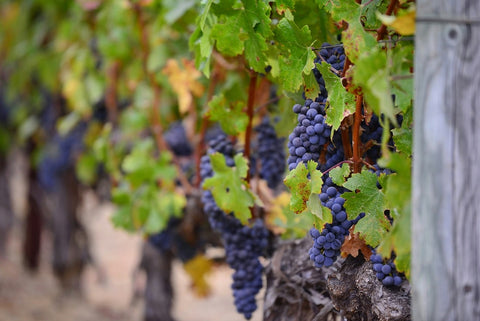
<point>403,24</point>
<point>197,268</point>
<point>184,82</point>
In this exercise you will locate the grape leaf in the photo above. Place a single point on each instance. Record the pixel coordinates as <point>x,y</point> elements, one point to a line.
<point>295,56</point>
<point>402,138</point>
<point>338,174</point>
<point>403,24</point>
<point>243,29</point>
<point>355,39</point>
<point>163,207</point>
<point>302,187</point>
<point>184,83</point>
<point>398,198</point>
<point>229,187</point>
<point>197,268</point>
<point>366,197</point>
<point>283,5</point>
<point>228,114</point>
<point>285,222</point>
<point>354,243</point>
<point>341,102</point>
<point>372,75</point>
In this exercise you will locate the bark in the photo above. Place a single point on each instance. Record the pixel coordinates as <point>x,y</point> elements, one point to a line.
<point>33,225</point>
<point>6,212</point>
<point>296,290</point>
<point>359,295</point>
<point>159,291</point>
<point>71,250</point>
<point>349,290</point>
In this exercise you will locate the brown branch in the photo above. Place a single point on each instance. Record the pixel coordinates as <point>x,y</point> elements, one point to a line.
<point>251,99</point>
<point>111,92</point>
<point>357,160</point>
<point>383,28</point>
<point>338,164</point>
<point>155,119</point>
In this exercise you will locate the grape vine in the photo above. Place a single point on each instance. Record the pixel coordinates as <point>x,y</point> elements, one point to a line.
<point>157,98</point>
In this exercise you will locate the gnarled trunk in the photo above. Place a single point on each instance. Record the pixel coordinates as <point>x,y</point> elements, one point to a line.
<point>296,290</point>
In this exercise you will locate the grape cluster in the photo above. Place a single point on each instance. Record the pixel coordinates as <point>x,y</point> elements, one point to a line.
<point>177,140</point>
<point>243,244</point>
<point>311,133</point>
<point>372,132</point>
<point>327,243</point>
<point>387,273</point>
<point>271,153</point>
<point>60,155</point>
<point>334,152</point>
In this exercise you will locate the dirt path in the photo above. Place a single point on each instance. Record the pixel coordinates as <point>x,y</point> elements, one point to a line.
<point>25,297</point>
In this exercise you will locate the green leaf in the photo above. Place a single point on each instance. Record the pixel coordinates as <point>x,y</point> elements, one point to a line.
<point>399,240</point>
<point>372,75</point>
<point>338,174</point>
<point>366,198</point>
<point>355,39</point>
<point>283,5</point>
<point>341,102</point>
<point>165,206</point>
<point>241,27</point>
<point>402,137</point>
<point>229,187</point>
<point>122,218</point>
<point>86,168</point>
<point>397,188</point>
<point>295,56</point>
<point>321,214</point>
<point>229,36</point>
<point>302,188</point>
<point>229,114</point>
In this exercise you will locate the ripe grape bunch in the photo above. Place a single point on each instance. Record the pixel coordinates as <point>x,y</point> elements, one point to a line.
<point>306,141</point>
<point>312,132</point>
<point>327,243</point>
<point>243,244</point>
<point>177,140</point>
<point>387,273</point>
<point>271,153</point>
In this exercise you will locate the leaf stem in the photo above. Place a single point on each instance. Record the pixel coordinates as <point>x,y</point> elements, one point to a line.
<point>111,92</point>
<point>381,32</point>
<point>338,164</point>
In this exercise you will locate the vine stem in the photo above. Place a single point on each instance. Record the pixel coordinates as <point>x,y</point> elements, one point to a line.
<point>338,164</point>
<point>203,127</point>
<point>155,120</point>
<point>111,95</point>
<point>251,99</point>
<point>383,28</point>
<point>357,160</point>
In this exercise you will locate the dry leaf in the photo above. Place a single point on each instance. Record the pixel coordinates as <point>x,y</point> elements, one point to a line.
<point>197,268</point>
<point>353,243</point>
<point>403,24</point>
<point>183,80</point>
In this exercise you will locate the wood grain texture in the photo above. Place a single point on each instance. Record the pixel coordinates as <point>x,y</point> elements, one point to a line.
<point>446,177</point>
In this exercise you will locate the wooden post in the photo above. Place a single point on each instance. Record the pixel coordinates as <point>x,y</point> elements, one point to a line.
<point>446,165</point>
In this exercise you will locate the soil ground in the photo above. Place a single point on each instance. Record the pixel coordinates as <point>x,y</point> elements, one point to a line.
<point>36,297</point>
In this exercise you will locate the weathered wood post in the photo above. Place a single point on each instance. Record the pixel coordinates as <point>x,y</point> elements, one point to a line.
<point>446,166</point>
